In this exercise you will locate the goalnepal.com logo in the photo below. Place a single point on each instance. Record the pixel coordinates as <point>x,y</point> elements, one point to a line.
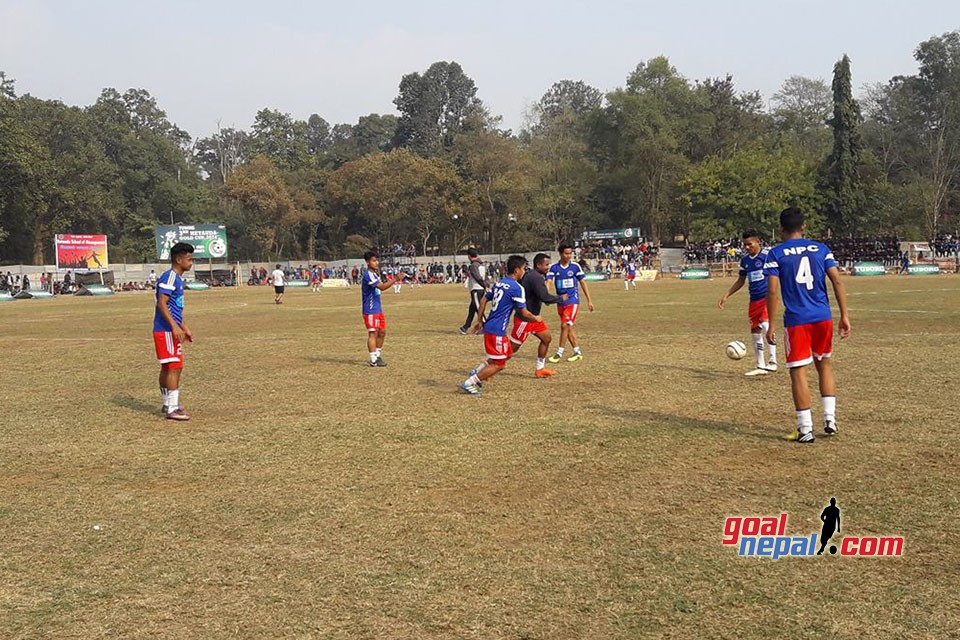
<point>766,537</point>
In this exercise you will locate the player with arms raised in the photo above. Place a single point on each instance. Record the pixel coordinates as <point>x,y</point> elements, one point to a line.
<point>506,297</point>
<point>170,331</point>
<point>751,270</point>
<point>798,268</point>
<point>568,278</point>
<point>373,319</point>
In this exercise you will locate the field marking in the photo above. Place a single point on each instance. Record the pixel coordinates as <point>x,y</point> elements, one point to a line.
<point>877,293</point>
<point>899,311</point>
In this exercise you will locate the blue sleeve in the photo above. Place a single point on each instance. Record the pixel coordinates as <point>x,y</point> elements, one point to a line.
<point>489,294</point>
<point>550,274</point>
<point>580,273</point>
<point>743,271</point>
<point>771,267</point>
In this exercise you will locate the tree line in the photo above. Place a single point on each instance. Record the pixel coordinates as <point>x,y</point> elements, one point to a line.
<point>681,159</point>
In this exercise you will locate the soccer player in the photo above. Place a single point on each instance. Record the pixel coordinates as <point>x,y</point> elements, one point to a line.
<point>278,277</point>
<point>476,283</point>
<point>799,268</point>
<point>535,290</point>
<point>630,275</point>
<point>506,297</point>
<point>170,331</point>
<point>376,324</point>
<point>567,277</point>
<point>751,270</point>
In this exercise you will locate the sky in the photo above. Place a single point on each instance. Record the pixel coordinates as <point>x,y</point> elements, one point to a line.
<point>208,61</point>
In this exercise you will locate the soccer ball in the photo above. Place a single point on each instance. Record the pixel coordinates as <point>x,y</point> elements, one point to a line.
<point>736,350</point>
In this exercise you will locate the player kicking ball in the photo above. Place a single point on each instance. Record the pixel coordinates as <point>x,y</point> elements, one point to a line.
<point>505,298</point>
<point>373,318</point>
<point>170,331</point>
<point>798,269</point>
<point>535,290</point>
<point>751,271</point>
<point>568,278</point>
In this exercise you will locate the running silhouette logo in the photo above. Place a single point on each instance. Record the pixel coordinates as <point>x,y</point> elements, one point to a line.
<point>766,537</point>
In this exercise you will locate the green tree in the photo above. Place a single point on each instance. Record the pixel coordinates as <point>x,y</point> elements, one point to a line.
<point>433,107</point>
<point>801,109</point>
<point>841,187</point>
<point>725,196</point>
<point>279,137</point>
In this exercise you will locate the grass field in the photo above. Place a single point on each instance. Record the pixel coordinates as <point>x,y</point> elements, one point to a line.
<point>314,497</point>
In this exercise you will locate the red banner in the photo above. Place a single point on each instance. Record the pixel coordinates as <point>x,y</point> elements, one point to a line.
<point>81,252</point>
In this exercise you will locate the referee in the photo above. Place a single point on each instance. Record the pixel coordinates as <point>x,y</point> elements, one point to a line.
<point>477,285</point>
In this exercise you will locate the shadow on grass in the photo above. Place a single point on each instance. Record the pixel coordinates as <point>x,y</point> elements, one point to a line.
<point>135,404</point>
<point>708,374</point>
<point>628,417</point>
<point>356,362</point>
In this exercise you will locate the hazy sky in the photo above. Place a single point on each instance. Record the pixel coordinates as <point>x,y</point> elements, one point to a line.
<point>206,61</point>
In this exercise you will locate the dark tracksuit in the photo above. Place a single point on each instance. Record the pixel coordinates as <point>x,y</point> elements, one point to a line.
<point>473,276</point>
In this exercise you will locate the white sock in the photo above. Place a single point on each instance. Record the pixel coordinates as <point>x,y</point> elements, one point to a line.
<point>804,421</point>
<point>373,356</point>
<point>163,394</point>
<point>541,363</point>
<point>626,285</point>
<point>773,352</point>
<point>473,380</point>
<point>829,408</point>
<point>559,352</point>
<point>576,350</point>
<point>758,347</point>
<point>173,400</point>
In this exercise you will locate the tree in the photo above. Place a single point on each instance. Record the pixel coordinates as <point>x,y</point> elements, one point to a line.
<point>800,109</point>
<point>841,186</point>
<point>567,97</point>
<point>746,190</point>
<point>279,137</point>
<point>433,107</point>
<point>398,196</point>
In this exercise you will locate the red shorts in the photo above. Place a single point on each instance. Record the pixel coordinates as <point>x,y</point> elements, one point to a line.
<point>375,322</point>
<point>522,330</point>
<point>498,347</point>
<point>568,313</point>
<point>808,341</point>
<point>169,350</point>
<point>758,314</point>
<point>631,276</point>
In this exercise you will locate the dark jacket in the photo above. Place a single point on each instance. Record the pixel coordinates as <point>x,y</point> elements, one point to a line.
<point>535,290</point>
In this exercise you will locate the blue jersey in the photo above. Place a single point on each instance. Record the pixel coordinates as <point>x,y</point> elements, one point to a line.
<point>506,296</point>
<point>566,280</point>
<point>802,265</point>
<point>631,269</point>
<point>371,294</point>
<point>751,268</point>
<point>169,284</point>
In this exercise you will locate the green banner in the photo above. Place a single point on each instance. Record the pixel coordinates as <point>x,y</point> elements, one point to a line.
<point>613,234</point>
<point>695,273</point>
<point>297,283</point>
<point>208,240</point>
<point>5,296</point>
<point>923,269</point>
<point>594,276</point>
<point>869,269</point>
<point>194,285</point>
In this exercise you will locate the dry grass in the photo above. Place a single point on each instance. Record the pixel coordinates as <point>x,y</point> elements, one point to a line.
<point>314,497</point>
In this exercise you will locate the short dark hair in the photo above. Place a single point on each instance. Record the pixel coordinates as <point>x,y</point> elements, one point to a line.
<point>751,233</point>
<point>791,219</point>
<point>540,257</point>
<point>515,262</point>
<point>278,265</point>
<point>370,254</point>
<point>179,249</point>
<point>472,253</point>
<point>563,248</point>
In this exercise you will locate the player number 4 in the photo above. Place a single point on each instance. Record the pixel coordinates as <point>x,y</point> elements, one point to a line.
<point>804,274</point>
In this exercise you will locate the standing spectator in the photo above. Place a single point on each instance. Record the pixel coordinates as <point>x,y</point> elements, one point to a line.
<point>476,284</point>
